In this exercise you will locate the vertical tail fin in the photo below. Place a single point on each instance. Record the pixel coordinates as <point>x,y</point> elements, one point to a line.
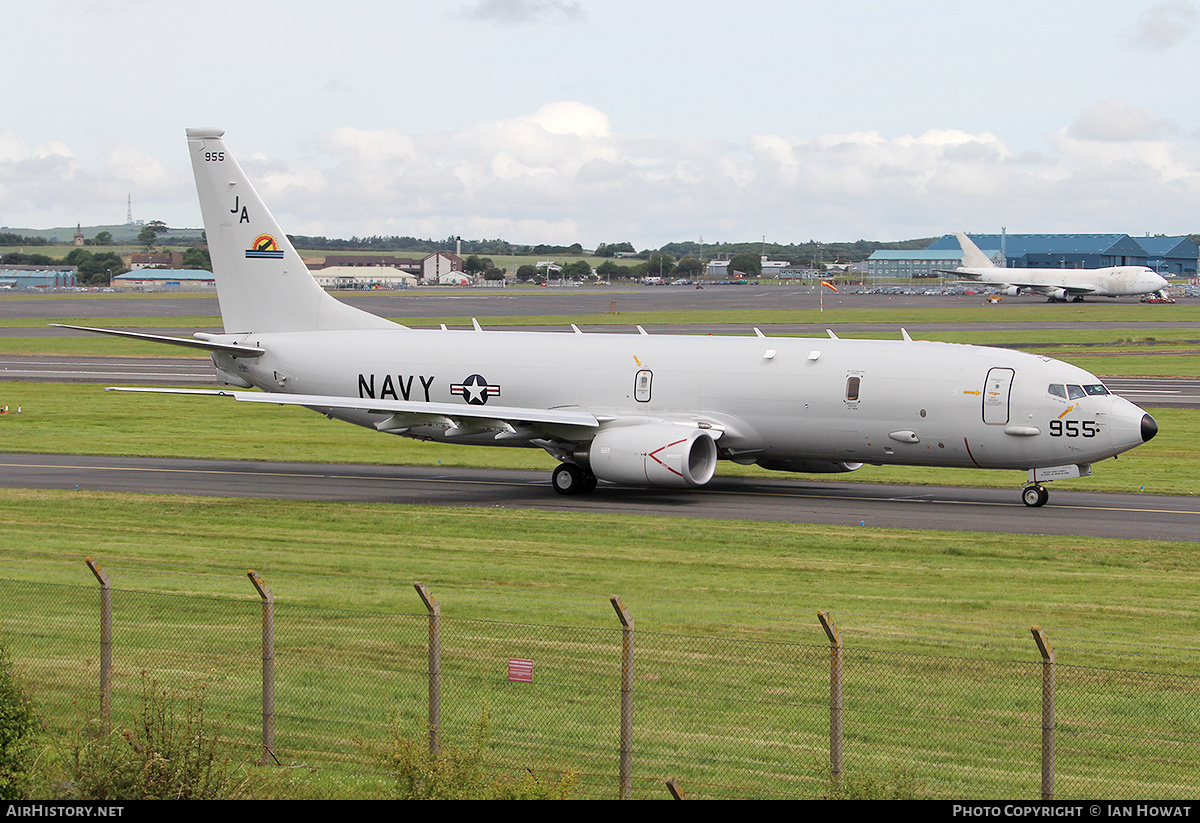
<point>973,258</point>
<point>262,284</point>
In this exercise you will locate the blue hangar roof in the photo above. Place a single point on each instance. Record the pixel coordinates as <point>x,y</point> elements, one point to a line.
<point>1017,245</point>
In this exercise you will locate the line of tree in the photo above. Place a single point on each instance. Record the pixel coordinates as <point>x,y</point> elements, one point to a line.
<point>95,268</point>
<point>810,253</point>
<point>8,238</point>
<point>657,265</point>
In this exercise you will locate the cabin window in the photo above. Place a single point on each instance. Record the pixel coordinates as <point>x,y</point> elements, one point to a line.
<point>1075,392</point>
<point>641,386</point>
<point>853,383</point>
<point>1058,390</point>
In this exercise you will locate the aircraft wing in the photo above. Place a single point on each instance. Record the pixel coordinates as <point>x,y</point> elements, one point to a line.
<point>457,418</point>
<point>1072,290</point>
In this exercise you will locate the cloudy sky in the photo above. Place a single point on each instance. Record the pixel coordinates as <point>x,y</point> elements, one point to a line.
<point>562,121</point>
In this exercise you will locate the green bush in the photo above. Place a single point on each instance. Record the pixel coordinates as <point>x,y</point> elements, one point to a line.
<point>170,753</point>
<point>18,727</point>
<point>456,773</point>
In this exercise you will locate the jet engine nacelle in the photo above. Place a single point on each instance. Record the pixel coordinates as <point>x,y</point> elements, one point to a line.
<point>1010,291</point>
<point>654,454</point>
<point>1059,295</point>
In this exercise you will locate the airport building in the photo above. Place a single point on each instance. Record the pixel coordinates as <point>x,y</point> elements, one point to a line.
<point>443,268</point>
<point>166,279</point>
<point>364,277</point>
<point>150,260</point>
<point>1169,256</point>
<point>385,271</point>
<point>23,276</point>
<point>410,265</point>
<point>913,264</point>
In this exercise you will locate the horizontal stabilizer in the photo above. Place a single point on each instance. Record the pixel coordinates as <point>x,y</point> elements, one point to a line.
<point>187,342</point>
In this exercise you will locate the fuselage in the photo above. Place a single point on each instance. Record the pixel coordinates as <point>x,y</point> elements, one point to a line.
<point>787,403</point>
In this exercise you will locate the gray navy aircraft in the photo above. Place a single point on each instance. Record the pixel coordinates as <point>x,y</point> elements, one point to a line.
<point>640,410</point>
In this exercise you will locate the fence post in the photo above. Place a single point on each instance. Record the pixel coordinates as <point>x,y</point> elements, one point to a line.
<point>105,640</point>
<point>1043,644</point>
<point>835,695</point>
<point>435,667</point>
<point>268,666</point>
<point>626,767</point>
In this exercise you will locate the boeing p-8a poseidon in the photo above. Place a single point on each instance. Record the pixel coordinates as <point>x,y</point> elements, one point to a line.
<point>635,409</point>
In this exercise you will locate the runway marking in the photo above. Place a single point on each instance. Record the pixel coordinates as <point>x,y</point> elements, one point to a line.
<point>758,492</point>
<point>105,374</point>
<point>952,502</point>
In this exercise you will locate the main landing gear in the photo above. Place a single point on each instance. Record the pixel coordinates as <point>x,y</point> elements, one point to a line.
<point>1035,496</point>
<point>570,478</point>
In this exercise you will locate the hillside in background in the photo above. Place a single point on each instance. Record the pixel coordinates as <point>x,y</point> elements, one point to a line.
<point>124,234</point>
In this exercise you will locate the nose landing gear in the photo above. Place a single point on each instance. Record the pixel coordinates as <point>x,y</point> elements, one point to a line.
<point>1035,495</point>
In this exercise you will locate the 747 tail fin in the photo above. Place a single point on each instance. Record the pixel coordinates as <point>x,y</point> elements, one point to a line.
<point>973,258</point>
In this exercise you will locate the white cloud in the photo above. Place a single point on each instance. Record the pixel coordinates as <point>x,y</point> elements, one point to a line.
<point>1164,25</point>
<point>146,173</point>
<point>519,12</point>
<point>13,149</point>
<point>1118,121</point>
<point>563,174</point>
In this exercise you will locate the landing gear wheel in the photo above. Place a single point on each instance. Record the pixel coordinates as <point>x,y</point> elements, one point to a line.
<point>1034,496</point>
<point>569,478</point>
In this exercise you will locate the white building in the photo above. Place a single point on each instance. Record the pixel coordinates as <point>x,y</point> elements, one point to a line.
<point>440,266</point>
<point>363,277</point>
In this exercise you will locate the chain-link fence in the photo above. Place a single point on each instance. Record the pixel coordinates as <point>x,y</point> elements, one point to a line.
<point>725,715</point>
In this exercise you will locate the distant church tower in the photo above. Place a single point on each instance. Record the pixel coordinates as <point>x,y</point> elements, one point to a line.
<point>78,234</point>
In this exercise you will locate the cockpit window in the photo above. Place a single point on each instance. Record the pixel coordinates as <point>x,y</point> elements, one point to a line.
<point>1058,390</point>
<point>1096,388</point>
<point>1075,392</point>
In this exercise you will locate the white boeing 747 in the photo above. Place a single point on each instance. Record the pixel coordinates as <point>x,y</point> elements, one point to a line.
<point>1058,285</point>
<point>634,409</point>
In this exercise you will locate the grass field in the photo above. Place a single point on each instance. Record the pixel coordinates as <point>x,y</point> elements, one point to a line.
<point>946,679</point>
<point>935,626</point>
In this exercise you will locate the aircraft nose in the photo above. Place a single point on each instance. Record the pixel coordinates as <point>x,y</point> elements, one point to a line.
<point>1129,426</point>
<point>1149,427</point>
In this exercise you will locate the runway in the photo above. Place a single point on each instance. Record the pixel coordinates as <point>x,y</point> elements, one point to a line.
<point>1173,518</point>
